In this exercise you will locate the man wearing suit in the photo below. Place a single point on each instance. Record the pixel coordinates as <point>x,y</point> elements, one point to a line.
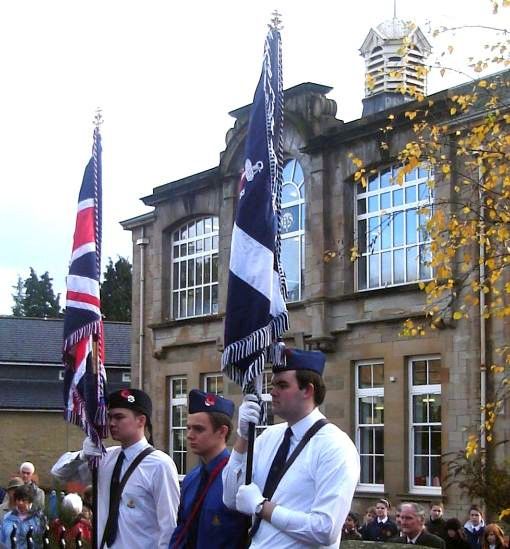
<point>412,517</point>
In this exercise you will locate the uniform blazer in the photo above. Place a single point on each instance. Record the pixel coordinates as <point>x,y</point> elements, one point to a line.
<point>426,539</point>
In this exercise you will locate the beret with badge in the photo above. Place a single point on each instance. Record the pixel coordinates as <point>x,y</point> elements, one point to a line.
<point>132,399</point>
<point>296,359</point>
<point>198,401</point>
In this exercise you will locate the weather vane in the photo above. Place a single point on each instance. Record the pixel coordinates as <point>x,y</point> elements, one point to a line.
<point>276,21</point>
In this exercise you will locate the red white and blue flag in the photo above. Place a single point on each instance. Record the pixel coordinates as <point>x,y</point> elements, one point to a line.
<point>256,314</point>
<point>83,349</point>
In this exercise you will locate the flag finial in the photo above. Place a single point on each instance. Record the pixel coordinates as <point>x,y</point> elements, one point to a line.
<point>276,21</point>
<point>98,117</point>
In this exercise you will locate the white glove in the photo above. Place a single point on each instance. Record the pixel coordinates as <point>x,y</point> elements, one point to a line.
<point>89,449</point>
<point>248,497</point>
<point>249,412</point>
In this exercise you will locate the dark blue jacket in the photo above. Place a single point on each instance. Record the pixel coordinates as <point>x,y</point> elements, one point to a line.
<point>218,527</point>
<point>474,537</point>
<point>373,531</point>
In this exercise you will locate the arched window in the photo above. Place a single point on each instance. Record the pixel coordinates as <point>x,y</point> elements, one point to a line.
<point>195,268</point>
<point>293,228</point>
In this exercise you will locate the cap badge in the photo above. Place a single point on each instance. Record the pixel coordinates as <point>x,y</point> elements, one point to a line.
<point>210,400</point>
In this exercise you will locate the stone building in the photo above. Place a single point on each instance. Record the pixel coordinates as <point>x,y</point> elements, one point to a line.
<point>404,401</point>
<point>31,391</point>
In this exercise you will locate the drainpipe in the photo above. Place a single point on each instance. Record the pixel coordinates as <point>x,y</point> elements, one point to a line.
<point>483,354</point>
<point>142,242</point>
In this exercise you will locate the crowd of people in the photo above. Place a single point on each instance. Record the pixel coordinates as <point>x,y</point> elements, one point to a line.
<point>26,513</point>
<point>411,524</point>
<point>304,472</point>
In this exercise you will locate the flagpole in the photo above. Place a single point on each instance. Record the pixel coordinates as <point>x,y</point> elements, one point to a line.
<point>98,120</point>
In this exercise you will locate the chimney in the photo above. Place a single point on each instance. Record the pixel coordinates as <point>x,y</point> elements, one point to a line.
<point>395,53</point>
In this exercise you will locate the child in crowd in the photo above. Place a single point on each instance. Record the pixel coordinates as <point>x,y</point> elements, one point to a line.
<point>350,528</point>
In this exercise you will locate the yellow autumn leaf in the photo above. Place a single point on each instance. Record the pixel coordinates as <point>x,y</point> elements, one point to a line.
<point>457,315</point>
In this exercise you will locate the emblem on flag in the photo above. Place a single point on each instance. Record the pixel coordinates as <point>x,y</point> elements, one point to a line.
<point>256,313</point>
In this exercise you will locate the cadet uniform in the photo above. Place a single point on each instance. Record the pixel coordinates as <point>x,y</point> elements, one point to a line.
<point>148,504</point>
<point>212,525</point>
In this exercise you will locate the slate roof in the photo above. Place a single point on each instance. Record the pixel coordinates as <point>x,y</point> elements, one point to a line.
<point>39,340</point>
<point>36,394</point>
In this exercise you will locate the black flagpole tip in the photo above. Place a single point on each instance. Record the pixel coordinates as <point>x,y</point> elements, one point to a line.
<point>276,21</point>
<point>98,117</point>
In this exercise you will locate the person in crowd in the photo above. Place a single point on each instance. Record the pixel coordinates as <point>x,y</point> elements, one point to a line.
<point>138,489</point>
<point>382,528</point>
<point>71,522</point>
<point>455,535</point>
<point>493,537</point>
<point>475,527</point>
<point>305,470</point>
<point>367,519</point>
<point>412,517</point>
<point>8,503</point>
<point>398,522</point>
<point>23,517</point>
<point>27,472</point>
<point>350,530</point>
<point>203,520</point>
<point>436,522</point>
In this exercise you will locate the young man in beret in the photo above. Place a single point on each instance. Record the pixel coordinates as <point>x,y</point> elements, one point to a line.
<point>141,514</point>
<point>306,504</point>
<point>203,521</point>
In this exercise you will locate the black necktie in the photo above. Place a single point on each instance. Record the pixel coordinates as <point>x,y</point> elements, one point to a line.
<point>274,473</point>
<point>278,463</point>
<point>112,524</point>
<point>191,541</point>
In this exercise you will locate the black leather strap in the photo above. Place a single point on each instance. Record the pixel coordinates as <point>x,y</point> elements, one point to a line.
<point>319,424</point>
<point>144,453</point>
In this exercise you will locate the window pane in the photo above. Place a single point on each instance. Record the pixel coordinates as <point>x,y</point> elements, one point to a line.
<point>215,243</point>
<point>373,182</point>
<point>290,262</point>
<point>410,194</point>
<point>214,299</point>
<point>419,409</point>
<point>411,226</point>
<point>199,270</point>
<point>385,201</point>
<point>288,170</point>
<point>386,178</point>
<point>207,300</point>
<point>191,272</point>
<point>191,303</point>
<point>373,203</point>
<point>385,232</point>
<point>379,469</point>
<point>398,266</point>
<point>298,173</point>
<point>425,262</point>
<point>378,410</point>
<point>435,371</point>
<point>176,275</point>
<point>192,230</point>
<point>435,408</point>
<point>398,229</point>
<point>362,206</point>
<point>373,234</point>
<point>200,227</point>
<point>290,193</point>
<point>420,372</point>
<point>362,236</point>
<point>175,305</point>
<point>179,441</point>
<point>421,470</point>
<point>198,302</point>
<point>214,268</point>
<point>386,268</point>
<point>423,191</point>
<point>379,440</point>
<point>374,270</point>
<point>421,441</point>
<point>410,176</point>
<point>182,304</point>
<point>290,219</point>
<point>207,269</point>
<point>398,197</point>
<point>208,227</point>
<point>176,252</point>
<point>378,375</point>
<point>435,441</point>
<point>412,260</point>
<point>362,273</point>
<point>366,469</point>
<point>366,440</point>
<point>182,283</point>
<point>207,244</point>
<point>364,376</point>
<point>365,410</point>
<point>435,471</point>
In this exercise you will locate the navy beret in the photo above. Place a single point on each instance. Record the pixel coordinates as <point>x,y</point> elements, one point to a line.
<point>199,401</point>
<point>132,399</point>
<point>296,359</point>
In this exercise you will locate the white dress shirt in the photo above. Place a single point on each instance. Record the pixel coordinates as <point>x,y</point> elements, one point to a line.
<point>314,496</point>
<point>149,501</point>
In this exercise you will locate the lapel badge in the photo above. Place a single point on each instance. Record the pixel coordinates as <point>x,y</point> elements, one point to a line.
<point>216,521</point>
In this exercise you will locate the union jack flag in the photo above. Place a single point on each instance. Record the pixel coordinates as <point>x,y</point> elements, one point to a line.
<point>83,349</point>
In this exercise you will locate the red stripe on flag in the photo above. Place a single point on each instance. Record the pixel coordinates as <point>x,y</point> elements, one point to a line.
<point>84,231</point>
<point>84,298</point>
